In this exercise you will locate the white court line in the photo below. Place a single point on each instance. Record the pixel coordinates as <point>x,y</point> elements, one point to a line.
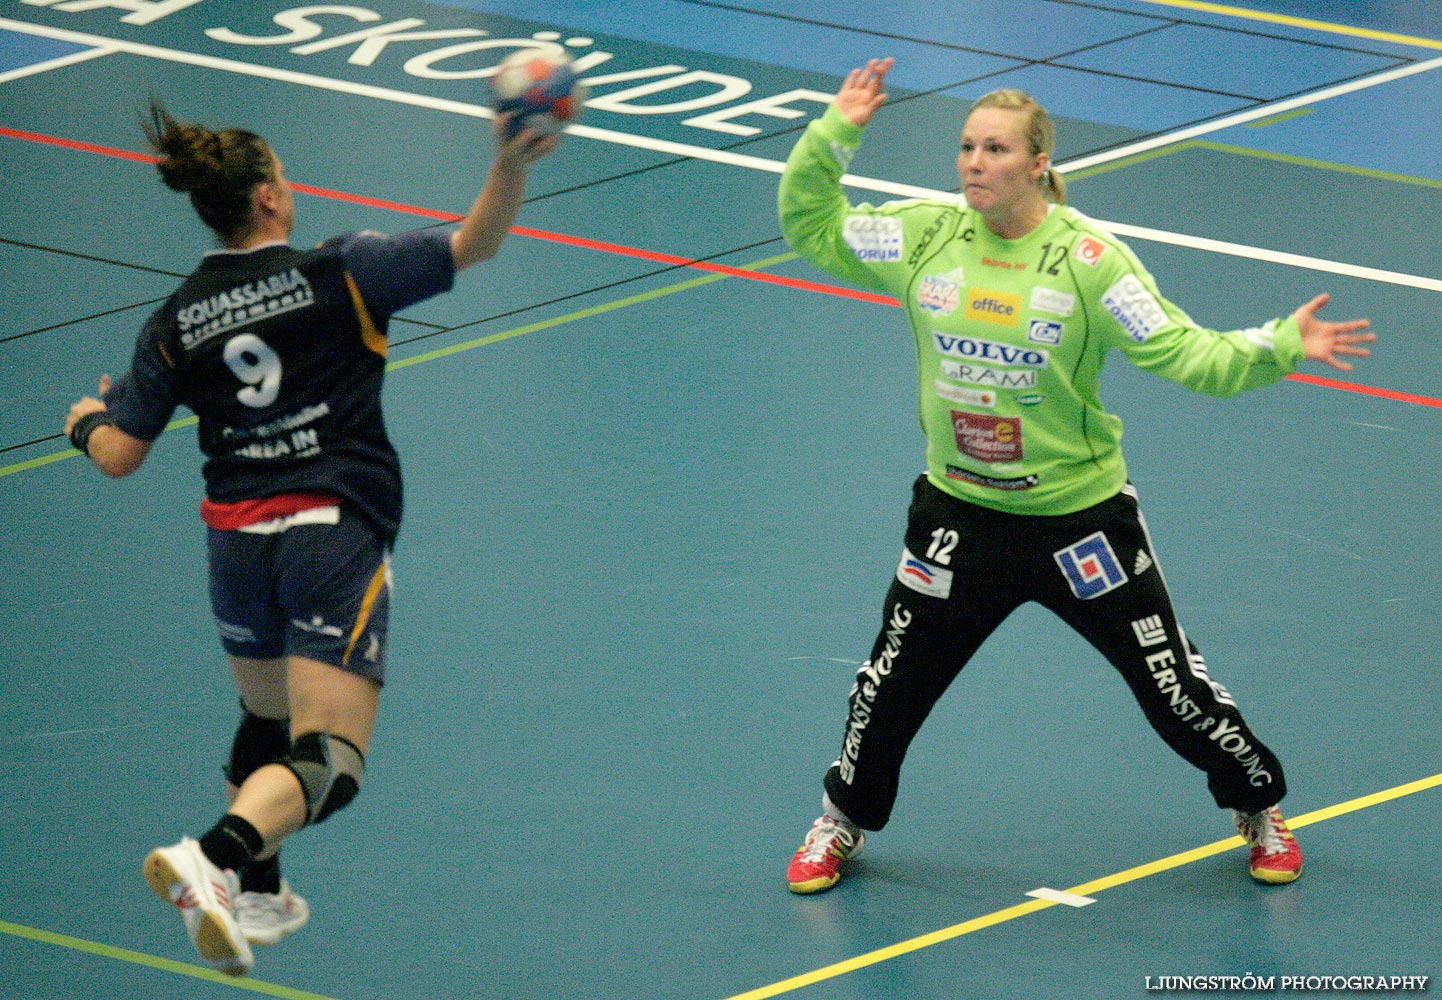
<point>35,69</point>
<point>1064,898</point>
<point>432,103</point>
<point>723,156</point>
<point>1242,117</point>
<point>1274,256</point>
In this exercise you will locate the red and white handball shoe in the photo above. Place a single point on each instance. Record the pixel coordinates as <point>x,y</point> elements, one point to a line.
<point>1275,859</point>
<point>816,865</point>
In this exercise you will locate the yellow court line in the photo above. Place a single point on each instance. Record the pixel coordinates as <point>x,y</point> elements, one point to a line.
<point>1300,22</point>
<point>1086,889</point>
<point>164,964</point>
<point>1256,154</point>
<point>285,992</point>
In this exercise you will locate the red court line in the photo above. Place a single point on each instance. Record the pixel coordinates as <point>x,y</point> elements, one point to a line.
<point>538,234</point>
<point>84,147</point>
<point>1367,390</point>
<point>652,255</point>
<point>391,206</point>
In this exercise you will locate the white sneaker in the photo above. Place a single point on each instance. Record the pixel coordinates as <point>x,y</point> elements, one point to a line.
<point>184,876</point>
<point>266,917</point>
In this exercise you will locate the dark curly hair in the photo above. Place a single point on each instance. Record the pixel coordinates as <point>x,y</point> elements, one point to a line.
<point>219,170</point>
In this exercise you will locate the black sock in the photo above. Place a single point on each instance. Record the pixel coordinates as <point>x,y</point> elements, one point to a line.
<point>261,876</point>
<point>232,843</point>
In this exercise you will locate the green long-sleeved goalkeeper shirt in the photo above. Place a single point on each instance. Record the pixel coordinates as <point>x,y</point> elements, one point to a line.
<point>1011,335</point>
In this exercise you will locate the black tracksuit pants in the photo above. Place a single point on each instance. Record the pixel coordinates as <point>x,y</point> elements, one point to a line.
<point>965,569</point>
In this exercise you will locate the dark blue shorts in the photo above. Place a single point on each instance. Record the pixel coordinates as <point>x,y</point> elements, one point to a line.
<point>318,590</point>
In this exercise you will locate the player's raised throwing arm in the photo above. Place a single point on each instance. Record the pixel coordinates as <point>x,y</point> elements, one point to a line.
<point>494,210</point>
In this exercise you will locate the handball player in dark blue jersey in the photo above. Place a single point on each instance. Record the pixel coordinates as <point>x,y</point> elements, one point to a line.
<point>280,353</point>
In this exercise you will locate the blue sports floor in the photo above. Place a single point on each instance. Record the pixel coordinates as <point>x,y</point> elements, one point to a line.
<point>656,480</point>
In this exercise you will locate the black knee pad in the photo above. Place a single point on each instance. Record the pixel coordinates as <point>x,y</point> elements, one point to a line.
<point>258,742</point>
<point>329,769</point>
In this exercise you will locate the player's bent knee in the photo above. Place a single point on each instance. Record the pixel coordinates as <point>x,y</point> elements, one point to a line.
<point>329,769</point>
<point>258,741</point>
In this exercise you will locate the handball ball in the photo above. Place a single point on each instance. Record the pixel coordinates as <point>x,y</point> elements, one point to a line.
<point>540,88</point>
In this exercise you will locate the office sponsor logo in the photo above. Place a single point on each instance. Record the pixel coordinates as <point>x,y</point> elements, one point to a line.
<point>988,306</point>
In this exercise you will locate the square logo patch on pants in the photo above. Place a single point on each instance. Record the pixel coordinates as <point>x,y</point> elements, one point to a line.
<point>1091,567</point>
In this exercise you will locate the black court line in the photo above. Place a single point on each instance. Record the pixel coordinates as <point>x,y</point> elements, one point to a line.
<point>81,319</point>
<point>436,330</point>
<point>670,268</point>
<point>1021,63</point>
<point>162,298</point>
<point>90,257</point>
<point>1148,15</point>
<point>86,256</point>
<point>28,444</point>
<point>417,322</point>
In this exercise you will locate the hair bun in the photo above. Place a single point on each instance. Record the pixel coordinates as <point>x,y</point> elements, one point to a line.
<point>218,169</point>
<point>190,157</point>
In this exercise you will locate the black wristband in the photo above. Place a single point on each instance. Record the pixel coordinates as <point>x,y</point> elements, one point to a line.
<point>85,426</point>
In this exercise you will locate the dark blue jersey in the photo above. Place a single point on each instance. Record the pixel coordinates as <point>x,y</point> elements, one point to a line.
<point>280,353</point>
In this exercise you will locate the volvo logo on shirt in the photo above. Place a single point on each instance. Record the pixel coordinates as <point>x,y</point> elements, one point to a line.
<point>872,238</point>
<point>988,306</point>
<point>977,349</point>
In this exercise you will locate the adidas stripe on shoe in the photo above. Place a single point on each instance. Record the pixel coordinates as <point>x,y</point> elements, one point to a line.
<point>182,875</point>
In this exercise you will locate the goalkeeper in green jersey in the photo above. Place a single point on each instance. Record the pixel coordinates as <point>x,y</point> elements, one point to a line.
<point>1014,300</point>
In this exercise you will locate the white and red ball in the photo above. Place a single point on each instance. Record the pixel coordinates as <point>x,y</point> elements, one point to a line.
<point>540,88</point>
